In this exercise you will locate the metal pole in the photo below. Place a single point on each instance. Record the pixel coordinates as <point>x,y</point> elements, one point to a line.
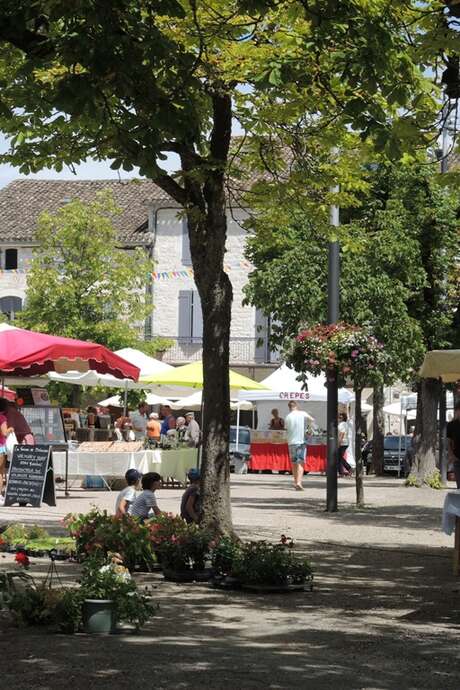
<point>333,301</point>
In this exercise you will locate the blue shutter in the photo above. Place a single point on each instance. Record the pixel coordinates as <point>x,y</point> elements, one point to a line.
<point>185,314</point>
<point>186,256</point>
<point>197,316</point>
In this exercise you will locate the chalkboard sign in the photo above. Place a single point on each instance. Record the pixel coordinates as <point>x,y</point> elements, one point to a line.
<point>31,477</point>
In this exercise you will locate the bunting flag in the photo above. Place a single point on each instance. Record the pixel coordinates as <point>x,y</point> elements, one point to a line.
<point>188,272</point>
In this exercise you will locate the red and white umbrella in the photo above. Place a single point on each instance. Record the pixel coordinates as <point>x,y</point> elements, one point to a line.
<point>26,353</point>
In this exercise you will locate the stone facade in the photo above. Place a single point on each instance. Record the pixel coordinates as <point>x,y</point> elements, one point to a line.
<point>176,313</point>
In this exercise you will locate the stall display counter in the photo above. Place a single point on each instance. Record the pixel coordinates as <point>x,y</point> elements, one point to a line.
<point>269,451</point>
<point>113,460</point>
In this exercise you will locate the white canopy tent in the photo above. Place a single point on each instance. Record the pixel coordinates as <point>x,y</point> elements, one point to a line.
<point>150,399</point>
<point>284,386</point>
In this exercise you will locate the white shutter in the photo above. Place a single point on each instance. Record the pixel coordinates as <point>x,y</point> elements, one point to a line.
<point>197,316</point>
<point>185,314</point>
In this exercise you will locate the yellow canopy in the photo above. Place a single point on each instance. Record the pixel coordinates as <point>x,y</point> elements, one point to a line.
<point>443,364</point>
<point>191,376</point>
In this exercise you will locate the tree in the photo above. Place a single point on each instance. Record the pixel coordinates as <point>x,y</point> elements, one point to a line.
<point>399,272</point>
<point>81,284</point>
<point>136,80</point>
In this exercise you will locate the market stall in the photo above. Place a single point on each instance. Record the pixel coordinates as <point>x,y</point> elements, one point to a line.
<point>269,450</point>
<point>114,459</point>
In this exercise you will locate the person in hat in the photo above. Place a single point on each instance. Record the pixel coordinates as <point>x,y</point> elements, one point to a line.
<point>126,497</point>
<point>190,505</point>
<point>153,430</point>
<point>192,435</point>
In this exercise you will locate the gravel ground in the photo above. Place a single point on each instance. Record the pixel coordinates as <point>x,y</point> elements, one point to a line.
<point>384,614</point>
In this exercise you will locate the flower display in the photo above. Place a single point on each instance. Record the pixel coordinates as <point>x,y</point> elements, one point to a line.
<point>100,534</point>
<point>22,559</point>
<point>352,351</point>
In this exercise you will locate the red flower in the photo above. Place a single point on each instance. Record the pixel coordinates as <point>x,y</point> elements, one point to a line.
<point>22,559</point>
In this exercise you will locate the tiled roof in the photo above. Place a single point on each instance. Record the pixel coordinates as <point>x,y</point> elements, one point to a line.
<point>22,202</point>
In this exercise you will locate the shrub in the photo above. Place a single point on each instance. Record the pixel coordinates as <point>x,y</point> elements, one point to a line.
<point>224,555</point>
<point>181,546</point>
<point>262,563</point>
<point>98,534</point>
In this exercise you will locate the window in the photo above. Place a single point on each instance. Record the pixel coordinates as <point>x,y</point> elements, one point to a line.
<point>186,256</point>
<point>9,306</point>
<point>11,259</point>
<point>190,316</point>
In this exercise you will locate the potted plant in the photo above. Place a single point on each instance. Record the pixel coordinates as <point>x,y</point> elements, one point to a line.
<point>223,557</point>
<point>183,548</point>
<point>109,595</point>
<point>266,567</point>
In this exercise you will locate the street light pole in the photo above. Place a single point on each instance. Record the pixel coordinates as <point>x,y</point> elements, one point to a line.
<point>333,304</point>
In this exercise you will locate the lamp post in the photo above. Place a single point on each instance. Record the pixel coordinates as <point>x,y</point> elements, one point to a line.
<point>333,304</point>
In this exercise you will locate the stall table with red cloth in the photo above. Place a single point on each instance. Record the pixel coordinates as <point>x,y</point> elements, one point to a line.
<point>269,451</point>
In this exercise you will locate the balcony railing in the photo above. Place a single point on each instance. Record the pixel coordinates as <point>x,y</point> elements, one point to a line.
<point>242,351</point>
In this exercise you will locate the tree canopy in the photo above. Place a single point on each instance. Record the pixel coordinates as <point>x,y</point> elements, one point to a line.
<point>81,283</point>
<point>399,249</point>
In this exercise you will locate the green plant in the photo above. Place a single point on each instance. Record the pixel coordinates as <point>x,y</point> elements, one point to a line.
<point>413,480</point>
<point>181,546</point>
<point>262,563</point>
<point>36,604</point>
<point>224,555</point>
<point>98,533</point>
<point>65,544</point>
<point>15,534</point>
<point>434,480</point>
<point>113,581</point>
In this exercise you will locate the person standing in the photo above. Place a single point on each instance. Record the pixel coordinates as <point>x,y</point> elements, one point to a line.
<point>153,430</point>
<point>192,435</point>
<point>343,467</point>
<point>276,422</point>
<point>19,423</point>
<point>169,421</point>
<point>296,423</point>
<point>453,437</point>
<point>139,421</point>
<point>128,495</point>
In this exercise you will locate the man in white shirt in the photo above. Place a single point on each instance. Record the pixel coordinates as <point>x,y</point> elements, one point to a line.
<point>192,434</point>
<point>295,424</point>
<point>139,421</point>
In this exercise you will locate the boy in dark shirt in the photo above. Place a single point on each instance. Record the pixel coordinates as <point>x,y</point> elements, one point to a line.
<point>190,506</point>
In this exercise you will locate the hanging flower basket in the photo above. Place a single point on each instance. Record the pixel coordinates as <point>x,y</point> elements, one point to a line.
<point>357,357</point>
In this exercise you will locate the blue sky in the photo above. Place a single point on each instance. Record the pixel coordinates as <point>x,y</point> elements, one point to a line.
<point>91,170</point>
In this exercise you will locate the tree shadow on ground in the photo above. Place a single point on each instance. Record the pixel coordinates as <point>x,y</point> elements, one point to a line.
<point>410,516</point>
<point>380,619</point>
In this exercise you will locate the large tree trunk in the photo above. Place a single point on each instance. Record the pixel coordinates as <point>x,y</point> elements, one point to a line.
<point>358,457</point>
<point>426,429</point>
<point>378,430</point>
<point>207,221</point>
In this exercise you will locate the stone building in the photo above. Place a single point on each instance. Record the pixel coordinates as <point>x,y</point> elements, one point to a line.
<point>148,219</point>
